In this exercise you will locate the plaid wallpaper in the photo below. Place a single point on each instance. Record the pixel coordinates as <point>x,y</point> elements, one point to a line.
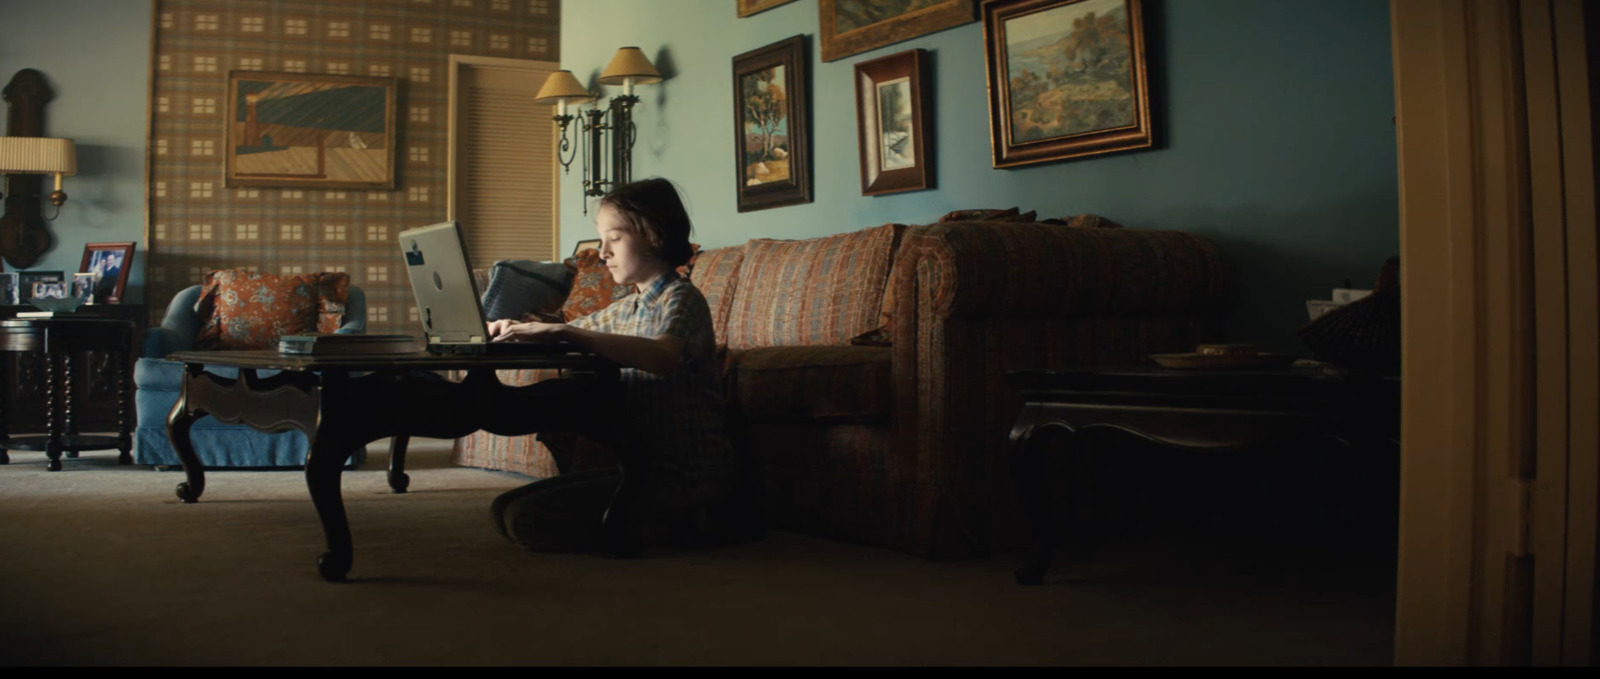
<point>197,225</point>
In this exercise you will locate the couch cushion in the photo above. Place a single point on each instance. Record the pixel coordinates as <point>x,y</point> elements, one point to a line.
<point>244,310</point>
<point>811,383</point>
<point>716,275</point>
<point>810,292</point>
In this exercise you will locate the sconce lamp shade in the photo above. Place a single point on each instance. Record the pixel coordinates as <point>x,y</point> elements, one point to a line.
<point>562,87</point>
<point>630,62</point>
<point>38,155</point>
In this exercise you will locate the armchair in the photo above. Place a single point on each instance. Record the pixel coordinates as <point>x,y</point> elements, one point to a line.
<point>157,382</point>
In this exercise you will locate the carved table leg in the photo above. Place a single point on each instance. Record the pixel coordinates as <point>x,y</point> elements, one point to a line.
<point>620,523</point>
<point>5,406</point>
<point>52,415</point>
<point>69,411</point>
<point>324,467</point>
<point>1028,447</point>
<point>178,423</point>
<point>398,481</point>
<point>124,397</point>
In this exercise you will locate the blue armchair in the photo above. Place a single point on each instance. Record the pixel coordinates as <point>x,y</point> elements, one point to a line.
<point>157,382</point>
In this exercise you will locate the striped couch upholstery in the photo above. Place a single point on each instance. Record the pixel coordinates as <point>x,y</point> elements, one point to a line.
<point>903,443</point>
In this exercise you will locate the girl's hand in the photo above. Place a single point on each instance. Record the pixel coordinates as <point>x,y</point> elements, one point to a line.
<point>532,331</point>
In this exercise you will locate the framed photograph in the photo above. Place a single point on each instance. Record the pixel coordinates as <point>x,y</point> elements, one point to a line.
<point>1067,79</point>
<point>749,7</point>
<point>109,263</point>
<point>892,119</point>
<point>49,290</point>
<point>10,288</point>
<point>83,287</point>
<point>589,244</point>
<point>854,26</point>
<point>310,131</point>
<point>772,141</point>
<point>26,280</point>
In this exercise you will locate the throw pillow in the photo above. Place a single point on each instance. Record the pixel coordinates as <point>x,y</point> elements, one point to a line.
<point>809,292</point>
<point>521,288</point>
<point>245,310</point>
<point>592,287</point>
<point>1085,221</point>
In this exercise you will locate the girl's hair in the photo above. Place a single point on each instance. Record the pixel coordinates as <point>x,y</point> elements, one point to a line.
<point>651,207</point>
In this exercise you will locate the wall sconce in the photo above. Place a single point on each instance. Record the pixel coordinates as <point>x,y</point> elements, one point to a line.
<point>628,67</point>
<point>40,155</point>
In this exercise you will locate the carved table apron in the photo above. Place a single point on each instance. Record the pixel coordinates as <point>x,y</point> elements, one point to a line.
<point>1185,409</point>
<point>342,402</point>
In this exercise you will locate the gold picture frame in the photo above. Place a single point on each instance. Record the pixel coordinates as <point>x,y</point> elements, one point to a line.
<point>854,26</point>
<point>299,130</point>
<point>748,7</point>
<point>1047,103</point>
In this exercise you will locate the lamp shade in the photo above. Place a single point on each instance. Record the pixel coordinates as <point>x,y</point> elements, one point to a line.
<point>562,86</point>
<point>38,155</point>
<point>630,62</point>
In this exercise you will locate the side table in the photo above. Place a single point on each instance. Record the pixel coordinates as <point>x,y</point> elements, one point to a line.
<point>1196,410</point>
<point>60,339</point>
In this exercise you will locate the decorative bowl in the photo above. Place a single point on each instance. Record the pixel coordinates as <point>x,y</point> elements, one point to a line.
<point>56,303</point>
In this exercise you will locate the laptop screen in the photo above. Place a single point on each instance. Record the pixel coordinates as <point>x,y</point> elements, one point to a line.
<point>441,280</point>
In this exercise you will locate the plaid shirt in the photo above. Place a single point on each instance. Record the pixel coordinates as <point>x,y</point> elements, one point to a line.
<point>679,417</point>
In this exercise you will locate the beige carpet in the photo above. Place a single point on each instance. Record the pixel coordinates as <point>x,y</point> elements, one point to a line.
<point>102,565</point>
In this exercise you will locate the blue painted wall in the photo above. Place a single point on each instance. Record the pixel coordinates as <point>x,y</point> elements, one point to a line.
<point>95,54</point>
<point>1275,137</point>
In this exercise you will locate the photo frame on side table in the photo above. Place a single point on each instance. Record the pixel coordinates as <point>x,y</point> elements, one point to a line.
<point>26,279</point>
<point>10,288</point>
<point>110,264</point>
<point>771,136</point>
<point>893,114</point>
<point>1045,106</point>
<point>309,131</point>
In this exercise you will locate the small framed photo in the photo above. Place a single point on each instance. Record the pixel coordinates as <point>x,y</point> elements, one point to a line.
<point>83,287</point>
<point>589,244</point>
<point>26,280</point>
<point>50,290</point>
<point>892,112</point>
<point>110,264</point>
<point>10,288</point>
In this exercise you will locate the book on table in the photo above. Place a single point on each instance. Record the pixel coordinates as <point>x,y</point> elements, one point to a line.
<point>319,344</point>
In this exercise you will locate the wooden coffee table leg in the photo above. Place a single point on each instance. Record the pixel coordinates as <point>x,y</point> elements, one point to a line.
<point>179,420</point>
<point>1029,446</point>
<point>398,481</point>
<point>324,468</point>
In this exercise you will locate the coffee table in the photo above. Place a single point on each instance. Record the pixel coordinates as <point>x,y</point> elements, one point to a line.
<point>343,402</point>
<point>1199,410</point>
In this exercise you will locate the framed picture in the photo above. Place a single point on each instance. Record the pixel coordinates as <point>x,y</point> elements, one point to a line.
<point>749,7</point>
<point>892,118</point>
<point>110,264</point>
<point>83,287</point>
<point>49,290</point>
<point>10,288</point>
<point>854,26</point>
<point>589,244</point>
<point>26,279</point>
<point>1067,79</point>
<point>772,144</point>
<point>310,131</point>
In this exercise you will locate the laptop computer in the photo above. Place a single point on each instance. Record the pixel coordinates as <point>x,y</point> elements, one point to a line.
<point>447,301</point>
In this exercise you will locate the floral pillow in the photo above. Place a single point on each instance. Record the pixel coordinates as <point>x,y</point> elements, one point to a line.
<point>244,310</point>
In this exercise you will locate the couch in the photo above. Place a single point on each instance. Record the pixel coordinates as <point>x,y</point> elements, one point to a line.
<point>864,372</point>
<point>158,381</point>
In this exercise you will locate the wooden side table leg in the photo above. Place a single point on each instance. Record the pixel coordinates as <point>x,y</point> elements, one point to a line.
<point>124,404</point>
<point>398,481</point>
<point>5,406</point>
<point>52,415</point>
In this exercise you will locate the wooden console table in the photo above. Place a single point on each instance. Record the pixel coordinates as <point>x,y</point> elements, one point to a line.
<point>1185,409</point>
<point>58,341</point>
<point>343,402</point>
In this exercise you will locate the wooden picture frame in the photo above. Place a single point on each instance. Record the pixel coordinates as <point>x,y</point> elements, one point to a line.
<point>746,8</point>
<point>26,279</point>
<point>1037,113</point>
<point>854,26</point>
<point>110,263</point>
<point>771,125</point>
<point>585,245</point>
<point>299,130</point>
<point>893,117</point>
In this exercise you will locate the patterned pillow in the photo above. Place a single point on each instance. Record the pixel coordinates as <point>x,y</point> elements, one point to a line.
<point>245,310</point>
<point>989,215</point>
<point>809,292</point>
<point>1085,221</point>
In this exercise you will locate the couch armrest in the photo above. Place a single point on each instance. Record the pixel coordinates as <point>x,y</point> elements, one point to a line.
<point>355,313</point>
<point>179,326</point>
<point>1011,269</point>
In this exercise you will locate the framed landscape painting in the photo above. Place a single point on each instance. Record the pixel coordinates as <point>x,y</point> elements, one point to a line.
<point>1067,79</point>
<point>310,131</point>
<point>892,119</point>
<point>772,145</point>
<point>749,7</point>
<point>854,26</point>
